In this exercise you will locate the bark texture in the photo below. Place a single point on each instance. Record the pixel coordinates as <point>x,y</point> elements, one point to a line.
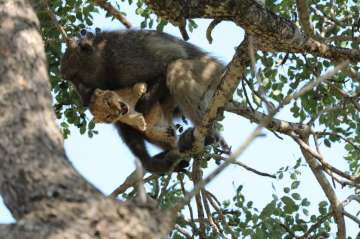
<point>271,32</point>
<point>47,197</point>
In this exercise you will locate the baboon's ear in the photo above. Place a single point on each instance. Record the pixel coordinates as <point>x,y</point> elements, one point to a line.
<point>90,35</point>
<point>71,43</point>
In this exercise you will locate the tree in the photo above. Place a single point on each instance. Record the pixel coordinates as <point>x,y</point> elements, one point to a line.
<point>315,41</point>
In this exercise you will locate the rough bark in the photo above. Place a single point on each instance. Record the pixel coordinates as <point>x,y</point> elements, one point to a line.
<point>47,197</point>
<point>271,32</point>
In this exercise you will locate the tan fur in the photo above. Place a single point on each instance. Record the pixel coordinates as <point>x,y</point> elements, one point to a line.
<point>108,107</point>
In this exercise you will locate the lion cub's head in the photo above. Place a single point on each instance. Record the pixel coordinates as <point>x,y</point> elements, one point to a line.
<point>111,106</point>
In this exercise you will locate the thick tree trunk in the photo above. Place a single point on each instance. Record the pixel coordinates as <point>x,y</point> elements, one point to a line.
<point>48,198</point>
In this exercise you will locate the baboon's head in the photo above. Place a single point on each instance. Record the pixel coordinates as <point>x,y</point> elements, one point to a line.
<point>82,63</point>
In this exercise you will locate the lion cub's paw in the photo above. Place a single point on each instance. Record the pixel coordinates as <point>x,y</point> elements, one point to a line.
<point>138,121</point>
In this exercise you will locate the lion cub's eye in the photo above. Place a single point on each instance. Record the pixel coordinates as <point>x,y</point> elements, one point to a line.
<point>108,104</point>
<point>108,118</point>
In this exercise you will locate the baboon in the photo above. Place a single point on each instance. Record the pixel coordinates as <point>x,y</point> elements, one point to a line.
<point>171,68</point>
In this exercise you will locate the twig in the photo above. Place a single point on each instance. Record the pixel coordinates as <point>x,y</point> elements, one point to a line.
<point>219,157</point>
<point>324,15</point>
<point>261,93</point>
<point>182,28</point>
<point>156,187</point>
<point>350,198</point>
<point>280,126</point>
<point>318,156</point>
<point>140,189</point>
<point>341,181</point>
<point>316,82</point>
<point>113,12</point>
<point>344,38</point>
<point>193,226</point>
<point>288,230</point>
<point>213,200</point>
<point>248,102</point>
<point>352,217</point>
<point>183,232</point>
<point>352,99</point>
<point>213,197</point>
<point>355,75</point>
<point>315,226</point>
<point>304,17</point>
<point>182,20</point>
<point>197,178</point>
<point>130,181</point>
<point>327,216</point>
<point>210,28</point>
<point>212,222</point>
<point>320,134</point>
<point>163,189</point>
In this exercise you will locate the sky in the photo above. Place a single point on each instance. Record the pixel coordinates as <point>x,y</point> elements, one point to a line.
<point>105,161</point>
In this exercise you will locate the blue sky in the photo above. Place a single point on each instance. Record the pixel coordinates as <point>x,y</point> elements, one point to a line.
<point>106,162</point>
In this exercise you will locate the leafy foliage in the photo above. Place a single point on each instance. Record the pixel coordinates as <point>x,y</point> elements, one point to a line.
<point>329,108</point>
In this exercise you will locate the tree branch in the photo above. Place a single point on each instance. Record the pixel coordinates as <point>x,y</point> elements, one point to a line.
<point>326,186</point>
<point>304,15</point>
<point>272,32</point>
<point>219,157</point>
<point>47,197</point>
<point>113,12</point>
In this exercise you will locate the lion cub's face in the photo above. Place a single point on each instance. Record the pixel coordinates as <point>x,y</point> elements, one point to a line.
<point>118,106</point>
<point>107,106</point>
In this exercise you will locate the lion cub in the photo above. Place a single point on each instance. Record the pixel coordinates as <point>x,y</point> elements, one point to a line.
<point>109,106</point>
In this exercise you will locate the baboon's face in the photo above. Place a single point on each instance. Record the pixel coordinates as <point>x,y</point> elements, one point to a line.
<point>80,64</point>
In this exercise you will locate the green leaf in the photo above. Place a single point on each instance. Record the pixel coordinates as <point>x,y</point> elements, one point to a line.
<point>305,202</point>
<point>327,143</point>
<point>290,205</point>
<point>296,196</point>
<point>295,184</point>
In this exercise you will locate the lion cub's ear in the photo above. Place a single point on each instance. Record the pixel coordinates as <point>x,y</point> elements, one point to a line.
<point>139,89</point>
